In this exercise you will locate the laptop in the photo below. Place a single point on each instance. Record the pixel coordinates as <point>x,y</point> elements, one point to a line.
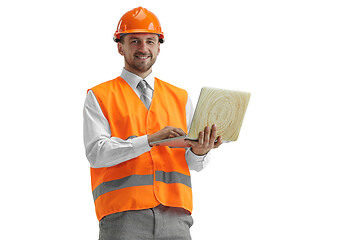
<point>225,108</point>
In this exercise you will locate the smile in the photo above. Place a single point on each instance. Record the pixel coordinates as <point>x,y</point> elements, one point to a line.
<point>142,57</point>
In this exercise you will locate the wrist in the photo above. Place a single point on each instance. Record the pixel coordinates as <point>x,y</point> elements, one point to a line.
<point>150,139</point>
<point>198,153</point>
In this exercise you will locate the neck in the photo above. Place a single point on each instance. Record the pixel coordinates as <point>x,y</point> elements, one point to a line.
<point>139,73</point>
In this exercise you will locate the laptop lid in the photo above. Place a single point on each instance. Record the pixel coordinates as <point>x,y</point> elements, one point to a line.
<point>225,108</point>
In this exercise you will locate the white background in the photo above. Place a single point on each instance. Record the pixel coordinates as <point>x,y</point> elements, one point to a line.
<point>293,173</point>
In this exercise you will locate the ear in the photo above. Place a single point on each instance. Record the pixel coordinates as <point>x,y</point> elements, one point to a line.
<point>120,49</point>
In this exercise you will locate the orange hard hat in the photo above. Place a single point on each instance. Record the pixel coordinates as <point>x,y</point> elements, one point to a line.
<point>138,20</point>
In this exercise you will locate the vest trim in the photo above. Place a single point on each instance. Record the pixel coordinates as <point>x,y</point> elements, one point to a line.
<point>173,177</point>
<point>129,181</point>
<point>141,180</point>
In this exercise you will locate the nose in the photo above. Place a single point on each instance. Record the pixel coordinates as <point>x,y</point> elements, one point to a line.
<point>142,47</point>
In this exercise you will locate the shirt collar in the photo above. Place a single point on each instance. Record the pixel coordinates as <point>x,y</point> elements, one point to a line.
<point>133,79</point>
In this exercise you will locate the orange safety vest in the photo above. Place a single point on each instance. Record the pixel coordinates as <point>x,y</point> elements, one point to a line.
<point>160,176</point>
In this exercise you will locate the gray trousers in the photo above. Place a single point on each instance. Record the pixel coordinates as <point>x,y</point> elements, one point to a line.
<point>161,222</point>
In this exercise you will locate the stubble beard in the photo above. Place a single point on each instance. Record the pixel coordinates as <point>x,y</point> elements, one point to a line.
<point>141,66</point>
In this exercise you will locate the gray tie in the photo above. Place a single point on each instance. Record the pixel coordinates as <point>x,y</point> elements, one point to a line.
<point>146,93</point>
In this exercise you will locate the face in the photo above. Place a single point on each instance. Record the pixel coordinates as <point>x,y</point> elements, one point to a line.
<point>140,51</point>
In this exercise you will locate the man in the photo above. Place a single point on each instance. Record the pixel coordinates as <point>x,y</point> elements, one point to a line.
<point>141,191</point>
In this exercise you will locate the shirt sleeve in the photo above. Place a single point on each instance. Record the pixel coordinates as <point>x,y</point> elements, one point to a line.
<point>194,161</point>
<point>102,150</point>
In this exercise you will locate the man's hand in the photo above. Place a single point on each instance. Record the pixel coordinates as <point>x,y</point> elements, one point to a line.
<point>166,132</point>
<point>206,141</point>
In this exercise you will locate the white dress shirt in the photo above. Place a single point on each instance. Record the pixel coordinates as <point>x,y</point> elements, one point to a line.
<point>102,150</point>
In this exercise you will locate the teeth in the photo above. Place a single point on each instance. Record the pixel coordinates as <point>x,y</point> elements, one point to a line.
<point>142,57</point>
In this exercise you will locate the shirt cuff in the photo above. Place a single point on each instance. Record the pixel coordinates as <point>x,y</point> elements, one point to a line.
<point>196,157</point>
<point>141,143</point>
<point>196,162</point>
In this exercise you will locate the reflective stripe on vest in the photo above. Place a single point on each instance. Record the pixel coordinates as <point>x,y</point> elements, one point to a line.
<point>141,180</point>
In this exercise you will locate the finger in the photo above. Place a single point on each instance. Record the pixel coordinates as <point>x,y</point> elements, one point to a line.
<point>201,138</point>
<point>173,134</point>
<point>219,142</point>
<point>213,133</point>
<point>206,135</point>
<point>179,131</point>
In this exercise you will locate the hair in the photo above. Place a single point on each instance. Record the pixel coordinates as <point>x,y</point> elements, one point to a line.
<point>122,37</point>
